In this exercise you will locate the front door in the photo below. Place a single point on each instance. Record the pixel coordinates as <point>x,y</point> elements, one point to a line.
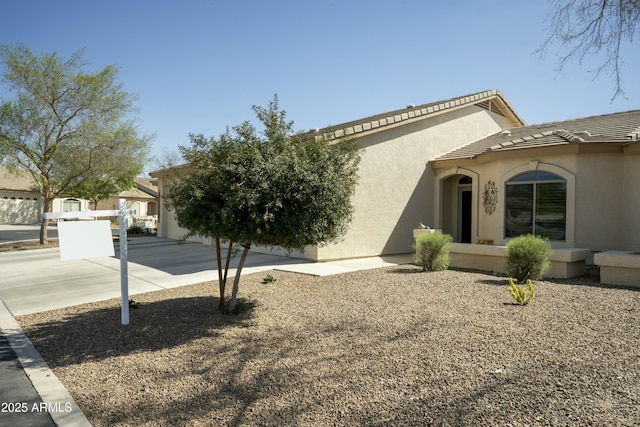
<point>464,215</point>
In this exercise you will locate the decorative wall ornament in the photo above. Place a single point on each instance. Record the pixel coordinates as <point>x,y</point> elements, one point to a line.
<point>490,197</point>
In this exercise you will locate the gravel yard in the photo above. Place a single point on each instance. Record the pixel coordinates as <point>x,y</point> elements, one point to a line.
<point>390,347</point>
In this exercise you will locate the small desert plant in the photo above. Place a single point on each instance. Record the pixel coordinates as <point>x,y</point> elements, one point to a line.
<point>134,304</point>
<point>432,251</point>
<point>528,257</point>
<point>523,296</point>
<point>268,279</point>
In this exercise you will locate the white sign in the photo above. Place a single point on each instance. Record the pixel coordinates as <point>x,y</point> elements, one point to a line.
<point>95,236</point>
<point>85,239</point>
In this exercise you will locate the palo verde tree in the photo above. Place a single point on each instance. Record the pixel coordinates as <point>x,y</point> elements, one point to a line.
<point>272,188</point>
<point>113,171</point>
<point>583,28</point>
<point>70,130</point>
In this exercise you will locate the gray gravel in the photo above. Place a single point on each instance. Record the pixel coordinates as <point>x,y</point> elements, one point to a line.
<point>386,347</point>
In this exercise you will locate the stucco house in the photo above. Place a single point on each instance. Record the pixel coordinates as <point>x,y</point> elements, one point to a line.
<point>575,182</point>
<point>397,185</point>
<point>21,203</point>
<point>143,197</point>
<point>471,167</point>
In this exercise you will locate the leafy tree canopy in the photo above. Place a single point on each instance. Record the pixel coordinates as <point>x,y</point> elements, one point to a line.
<point>275,187</point>
<point>69,129</point>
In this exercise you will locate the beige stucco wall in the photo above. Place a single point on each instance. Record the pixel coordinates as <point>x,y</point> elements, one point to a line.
<point>167,224</point>
<point>630,205</point>
<point>599,196</point>
<point>395,192</point>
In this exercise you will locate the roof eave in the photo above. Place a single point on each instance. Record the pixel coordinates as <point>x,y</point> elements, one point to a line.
<point>392,119</point>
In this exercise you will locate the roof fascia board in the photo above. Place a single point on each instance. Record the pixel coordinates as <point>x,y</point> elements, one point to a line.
<point>548,150</point>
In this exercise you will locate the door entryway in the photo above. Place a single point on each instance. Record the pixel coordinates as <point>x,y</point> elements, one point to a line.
<point>464,225</point>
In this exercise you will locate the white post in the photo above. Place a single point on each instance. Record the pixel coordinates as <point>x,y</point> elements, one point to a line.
<point>124,274</point>
<point>121,213</point>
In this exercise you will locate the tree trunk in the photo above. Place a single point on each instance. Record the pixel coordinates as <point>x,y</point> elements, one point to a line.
<point>221,283</point>
<point>48,202</point>
<point>226,265</point>
<point>236,280</point>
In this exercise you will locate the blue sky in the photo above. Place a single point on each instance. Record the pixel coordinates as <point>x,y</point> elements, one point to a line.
<point>197,66</point>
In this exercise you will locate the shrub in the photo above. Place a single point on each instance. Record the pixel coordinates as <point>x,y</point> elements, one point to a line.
<point>432,251</point>
<point>268,279</point>
<point>528,257</point>
<point>135,229</point>
<point>520,294</point>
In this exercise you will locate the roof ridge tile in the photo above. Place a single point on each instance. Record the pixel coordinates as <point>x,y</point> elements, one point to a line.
<point>413,112</point>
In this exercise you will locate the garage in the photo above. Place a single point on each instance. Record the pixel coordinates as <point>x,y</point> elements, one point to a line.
<point>19,210</point>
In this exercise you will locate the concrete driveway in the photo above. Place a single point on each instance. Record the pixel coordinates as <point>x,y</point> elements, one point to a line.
<point>37,280</point>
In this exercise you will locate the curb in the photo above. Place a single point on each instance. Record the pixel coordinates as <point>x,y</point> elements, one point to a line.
<point>63,409</point>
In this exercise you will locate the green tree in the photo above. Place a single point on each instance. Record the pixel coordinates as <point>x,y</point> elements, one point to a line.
<point>272,188</point>
<point>114,171</point>
<point>69,129</point>
<point>586,27</point>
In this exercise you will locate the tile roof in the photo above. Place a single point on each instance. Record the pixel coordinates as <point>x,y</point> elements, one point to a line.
<point>145,188</point>
<point>148,185</point>
<point>412,113</point>
<point>135,193</point>
<point>621,127</point>
<point>15,181</point>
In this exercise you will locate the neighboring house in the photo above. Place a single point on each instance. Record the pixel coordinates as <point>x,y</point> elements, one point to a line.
<point>575,182</point>
<point>21,203</point>
<point>143,198</point>
<point>397,188</point>
<point>19,200</point>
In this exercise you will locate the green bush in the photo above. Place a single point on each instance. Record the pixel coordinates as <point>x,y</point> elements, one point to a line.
<point>432,251</point>
<point>528,257</point>
<point>135,229</point>
<point>268,279</point>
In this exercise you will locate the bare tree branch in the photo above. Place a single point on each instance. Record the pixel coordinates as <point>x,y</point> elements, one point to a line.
<point>584,28</point>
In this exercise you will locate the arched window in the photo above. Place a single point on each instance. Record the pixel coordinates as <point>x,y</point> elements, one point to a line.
<point>536,203</point>
<point>71,205</point>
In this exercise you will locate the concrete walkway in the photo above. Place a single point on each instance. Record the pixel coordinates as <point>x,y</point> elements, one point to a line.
<point>36,280</point>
